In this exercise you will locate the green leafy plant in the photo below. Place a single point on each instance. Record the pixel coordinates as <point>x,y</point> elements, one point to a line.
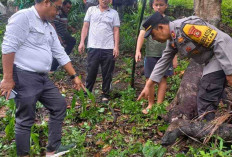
<point>226,11</point>
<point>153,150</point>
<point>216,148</point>
<point>10,119</point>
<point>187,3</point>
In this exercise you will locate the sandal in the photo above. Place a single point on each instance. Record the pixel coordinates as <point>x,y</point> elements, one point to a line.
<point>146,110</point>
<point>105,100</point>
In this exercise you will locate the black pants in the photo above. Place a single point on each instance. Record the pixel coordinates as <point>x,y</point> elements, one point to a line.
<point>32,87</point>
<point>210,92</point>
<point>104,58</point>
<point>70,42</point>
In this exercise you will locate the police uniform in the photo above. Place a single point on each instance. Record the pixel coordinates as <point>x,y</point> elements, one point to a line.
<point>194,38</point>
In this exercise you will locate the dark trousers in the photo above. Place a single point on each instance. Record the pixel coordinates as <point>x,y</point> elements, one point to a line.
<point>104,58</point>
<point>210,92</point>
<point>70,42</point>
<point>32,87</point>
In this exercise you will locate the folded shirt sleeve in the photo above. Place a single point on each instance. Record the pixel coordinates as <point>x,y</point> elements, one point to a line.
<point>16,33</point>
<point>163,64</point>
<point>116,20</point>
<point>222,48</point>
<point>88,14</point>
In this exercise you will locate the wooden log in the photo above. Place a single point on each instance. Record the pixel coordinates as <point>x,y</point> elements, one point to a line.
<point>197,130</point>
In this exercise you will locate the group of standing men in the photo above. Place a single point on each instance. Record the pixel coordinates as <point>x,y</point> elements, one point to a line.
<point>31,42</point>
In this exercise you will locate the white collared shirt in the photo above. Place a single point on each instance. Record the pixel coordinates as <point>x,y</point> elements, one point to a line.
<point>33,41</point>
<point>101,29</point>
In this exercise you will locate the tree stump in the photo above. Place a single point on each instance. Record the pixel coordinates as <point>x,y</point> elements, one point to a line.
<point>184,105</point>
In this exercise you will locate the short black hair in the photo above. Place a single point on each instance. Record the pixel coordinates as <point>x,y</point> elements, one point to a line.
<point>66,2</point>
<point>39,1</point>
<point>164,21</point>
<point>166,1</point>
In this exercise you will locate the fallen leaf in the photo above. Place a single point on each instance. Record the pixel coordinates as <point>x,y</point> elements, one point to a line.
<point>3,112</point>
<point>117,110</point>
<point>106,148</point>
<point>100,142</point>
<point>116,82</point>
<point>97,155</point>
<point>181,73</point>
<point>160,133</point>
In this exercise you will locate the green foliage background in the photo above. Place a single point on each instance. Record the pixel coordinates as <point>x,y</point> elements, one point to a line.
<point>227,12</point>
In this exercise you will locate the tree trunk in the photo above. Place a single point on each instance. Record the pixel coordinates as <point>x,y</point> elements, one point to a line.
<point>204,8</point>
<point>2,9</point>
<point>184,106</point>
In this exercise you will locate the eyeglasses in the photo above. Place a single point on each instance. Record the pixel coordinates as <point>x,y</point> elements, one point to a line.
<point>58,8</point>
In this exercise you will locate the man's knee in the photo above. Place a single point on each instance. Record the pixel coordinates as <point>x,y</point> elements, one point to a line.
<point>23,128</point>
<point>59,111</point>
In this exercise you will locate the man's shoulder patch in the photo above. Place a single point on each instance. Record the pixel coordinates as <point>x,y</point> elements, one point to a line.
<point>201,34</point>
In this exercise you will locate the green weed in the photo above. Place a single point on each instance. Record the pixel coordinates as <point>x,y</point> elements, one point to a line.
<point>153,150</point>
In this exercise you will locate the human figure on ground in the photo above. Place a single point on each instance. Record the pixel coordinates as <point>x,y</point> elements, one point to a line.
<point>61,25</point>
<point>154,51</point>
<point>118,5</point>
<point>29,44</point>
<point>194,38</point>
<point>90,3</point>
<point>102,24</point>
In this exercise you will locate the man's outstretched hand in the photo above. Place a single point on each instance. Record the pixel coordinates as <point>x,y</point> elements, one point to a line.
<point>146,91</point>
<point>78,85</point>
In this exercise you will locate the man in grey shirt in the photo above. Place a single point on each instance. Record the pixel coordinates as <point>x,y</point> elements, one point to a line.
<point>193,38</point>
<point>102,23</point>
<point>29,44</point>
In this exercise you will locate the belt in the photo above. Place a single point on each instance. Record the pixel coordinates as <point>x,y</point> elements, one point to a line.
<point>39,73</point>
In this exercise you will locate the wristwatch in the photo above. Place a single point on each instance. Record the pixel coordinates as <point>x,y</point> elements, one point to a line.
<point>73,76</point>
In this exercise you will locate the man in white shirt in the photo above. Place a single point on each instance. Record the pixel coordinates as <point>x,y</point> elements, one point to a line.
<point>29,45</point>
<point>102,23</point>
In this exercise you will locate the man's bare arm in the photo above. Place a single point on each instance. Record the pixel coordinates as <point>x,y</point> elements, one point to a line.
<point>116,42</point>
<point>7,84</point>
<point>84,33</point>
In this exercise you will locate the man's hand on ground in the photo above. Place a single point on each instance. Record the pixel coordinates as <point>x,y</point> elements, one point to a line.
<point>144,94</point>
<point>6,86</point>
<point>147,89</point>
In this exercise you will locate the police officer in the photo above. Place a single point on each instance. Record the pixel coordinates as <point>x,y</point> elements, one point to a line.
<point>193,38</point>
